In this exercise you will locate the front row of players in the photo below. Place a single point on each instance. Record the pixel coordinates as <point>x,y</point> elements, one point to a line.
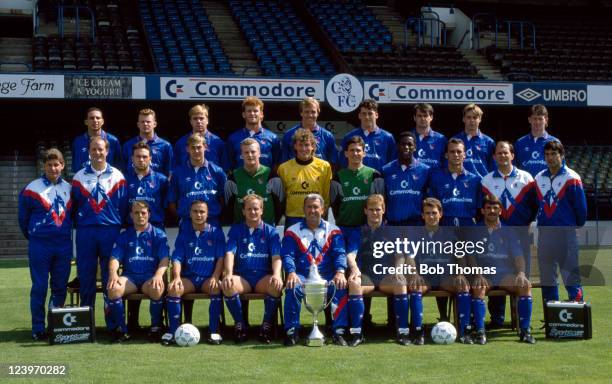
<point>252,257</point>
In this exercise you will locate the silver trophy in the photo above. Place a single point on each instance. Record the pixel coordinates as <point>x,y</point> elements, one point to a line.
<point>315,300</point>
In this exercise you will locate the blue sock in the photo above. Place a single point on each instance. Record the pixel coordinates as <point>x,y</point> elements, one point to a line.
<point>293,298</point>
<point>400,306</point>
<point>156,307</point>
<point>356,309</point>
<point>117,311</point>
<point>270,308</point>
<point>174,313</point>
<point>575,292</point>
<point>111,324</point>
<point>464,307</point>
<point>550,293</point>
<point>525,304</point>
<point>235,307</point>
<point>214,313</point>
<point>416,310</point>
<point>479,309</point>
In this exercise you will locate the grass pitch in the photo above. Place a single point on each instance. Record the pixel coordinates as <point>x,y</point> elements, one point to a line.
<point>502,360</point>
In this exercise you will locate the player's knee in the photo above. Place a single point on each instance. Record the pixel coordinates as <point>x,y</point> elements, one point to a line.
<point>115,293</point>
<point>354,287</point>
<point>478,293</point>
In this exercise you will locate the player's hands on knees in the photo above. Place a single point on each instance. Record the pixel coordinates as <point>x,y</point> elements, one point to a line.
<point>276,282</point>
<point>354,274</point>
<point>157,282</point>
<point>339,280</point>
<point>414,283</point>
<point>480,282</point>
<point>228,282</point>
<point>461,283</point>
<point>176,285</point>
<point>522,281</point>
<point>113,282</point>
<point>292,280</point>
<point>213,284</point>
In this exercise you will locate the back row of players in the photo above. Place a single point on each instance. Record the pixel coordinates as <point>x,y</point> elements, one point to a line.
<point>421,164</point>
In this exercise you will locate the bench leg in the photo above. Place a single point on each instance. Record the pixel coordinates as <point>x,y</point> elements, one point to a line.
<point>188,311</point>
<point>133,315</point>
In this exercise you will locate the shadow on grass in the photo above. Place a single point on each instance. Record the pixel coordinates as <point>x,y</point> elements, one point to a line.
<point>13,263</point>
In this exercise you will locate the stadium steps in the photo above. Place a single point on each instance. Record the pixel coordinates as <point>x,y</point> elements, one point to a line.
<point>235,45</point>
<point>485,68</point>
<point>15,172</point>
<point>394,23</point>
<point>14,53</point>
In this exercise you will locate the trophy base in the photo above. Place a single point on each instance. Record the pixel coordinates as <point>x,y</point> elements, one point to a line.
<point>315,338</point>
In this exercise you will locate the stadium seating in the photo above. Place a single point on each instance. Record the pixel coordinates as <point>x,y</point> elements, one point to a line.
<point>566,49</point>
<point>182,39</point>
<point>117,45</point>
<point>279,39</point>
<point>367,47</point>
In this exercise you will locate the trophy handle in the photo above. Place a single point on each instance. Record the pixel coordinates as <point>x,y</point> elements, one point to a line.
<point>331,297</point>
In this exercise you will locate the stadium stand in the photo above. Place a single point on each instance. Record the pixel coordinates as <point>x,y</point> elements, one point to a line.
<point>182,38</point>
<point>367,46</point>
<point>107,37</point>
<point>279,39</point>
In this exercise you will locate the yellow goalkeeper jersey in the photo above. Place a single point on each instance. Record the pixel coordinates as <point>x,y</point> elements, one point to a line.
<point>300,180</point>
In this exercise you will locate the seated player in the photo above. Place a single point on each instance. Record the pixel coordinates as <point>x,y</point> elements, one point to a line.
<point>314,240</point>
<point>252,264</point>
<point>502,251</point>
<point>433,256</point>
<point>197,263</point>
<point>362,277</point>
<point>143,252</point>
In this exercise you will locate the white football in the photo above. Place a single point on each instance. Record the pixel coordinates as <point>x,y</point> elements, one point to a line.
<point>443,333</point>
<point>187,335</point>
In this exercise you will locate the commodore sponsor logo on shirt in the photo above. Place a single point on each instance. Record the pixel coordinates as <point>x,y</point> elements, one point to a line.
<point>550,94</point>
<point>186,88</point>
<point>344,92</point>
<point>399,92</point>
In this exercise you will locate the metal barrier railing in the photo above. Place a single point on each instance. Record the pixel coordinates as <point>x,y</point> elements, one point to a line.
<point>60,19</point>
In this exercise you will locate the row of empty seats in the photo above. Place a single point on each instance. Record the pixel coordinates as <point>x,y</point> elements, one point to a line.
<point>117,45</point>
<point>182,38</point>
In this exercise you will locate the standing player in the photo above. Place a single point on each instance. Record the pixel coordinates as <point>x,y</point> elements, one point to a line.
<point>351,187</point>
<point>430,145</point>
<point>216,150</point>
<point>303,175</point>
<point>197,263</point>
<point>479,147</point>
<point>80,146</point>
<point>314,240</point>
<point>45,219</point>
<point>515,190</point>
<point>362,277</point>
<point>253,115</point>
<point>379,144</point>
<point>100,205</point>
<point>197,179</point>
<point>530,148</point>
<point>143,252</point>
<point>326,144</point>
<point>146,184</point>
<point>562,208</point>
<point>160,149</point>
<point>450,282</point>
<point>252,264</point>
<point>253,177</point>
<point>502,252</point>
<point>457,188</point>
<point>405,184</point>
